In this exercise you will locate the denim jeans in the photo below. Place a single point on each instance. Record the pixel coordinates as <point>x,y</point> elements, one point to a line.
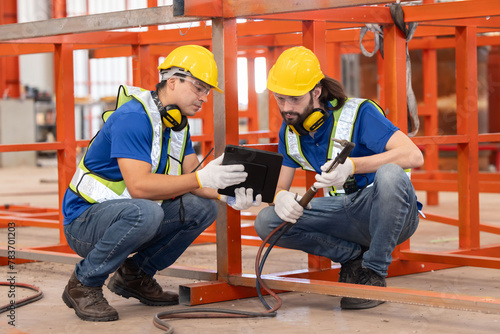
<point>107,233</point>
<point>378,217</point>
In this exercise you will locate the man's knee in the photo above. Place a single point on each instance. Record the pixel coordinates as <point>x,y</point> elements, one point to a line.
<point>263,221</point>
<point>391,176</point>
<point>148,214</point>
<point>203,208</point>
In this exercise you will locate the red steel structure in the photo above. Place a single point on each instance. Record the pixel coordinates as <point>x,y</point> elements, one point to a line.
<point>330,28</point>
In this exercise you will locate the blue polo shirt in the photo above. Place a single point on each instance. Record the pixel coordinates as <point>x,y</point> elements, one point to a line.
<point>372,131</point>
<point>126,134</point>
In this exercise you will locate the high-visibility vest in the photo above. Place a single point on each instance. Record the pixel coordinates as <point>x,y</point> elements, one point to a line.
<point>343,129</point>
<point>94,188</point>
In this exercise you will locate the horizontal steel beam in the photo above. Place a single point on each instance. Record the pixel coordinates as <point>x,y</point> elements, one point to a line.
<point>397,295</point>
<point>96,22</point>
<point>242,8</point>
<point>38,255</point>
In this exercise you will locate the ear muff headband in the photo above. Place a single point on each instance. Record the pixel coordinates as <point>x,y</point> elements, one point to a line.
<point>311,123</point>
<point>172,117</point>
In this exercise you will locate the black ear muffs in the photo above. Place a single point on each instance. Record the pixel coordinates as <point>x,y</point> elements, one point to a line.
<point>311,123</point>
<point>173,118</point>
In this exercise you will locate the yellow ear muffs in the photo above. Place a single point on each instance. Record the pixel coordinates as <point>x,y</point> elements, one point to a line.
<point>311,123</point>
<point>315,120</point>
<point>172,117</point>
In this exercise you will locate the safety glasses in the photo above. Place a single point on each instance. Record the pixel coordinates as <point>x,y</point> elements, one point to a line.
<point>199,87</point>
<point>292,100</point>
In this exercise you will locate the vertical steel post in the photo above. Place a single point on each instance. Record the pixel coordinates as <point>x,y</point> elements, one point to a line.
<point>431,126</point>
<point>252,111</point>
<point>394,67</point>
<point>334,61</point>
<point>65,121</point>
<point>467,124</point>
<point>395,76</point>
<point>224,43</point>
<point>314,38</point>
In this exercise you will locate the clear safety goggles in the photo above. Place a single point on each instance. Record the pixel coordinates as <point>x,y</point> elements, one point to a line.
<point>199,87</point>
<point>292,100</point>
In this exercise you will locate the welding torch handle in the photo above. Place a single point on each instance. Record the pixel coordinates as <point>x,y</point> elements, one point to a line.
<point>339,159</point>
<point>308,196</point>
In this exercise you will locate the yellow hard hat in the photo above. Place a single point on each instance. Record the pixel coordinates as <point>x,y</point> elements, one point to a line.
<point>195,59</point>
<point>296,72</point>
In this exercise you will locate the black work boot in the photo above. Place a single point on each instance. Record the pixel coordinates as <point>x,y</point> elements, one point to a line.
<point>88,302</point>
<point>130,281</point>
<point>350,270</point>
<point>366,277</point>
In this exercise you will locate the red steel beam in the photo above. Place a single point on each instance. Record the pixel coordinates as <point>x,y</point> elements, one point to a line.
<point>398,295</point>
<point>452,10</point>
<point>241,8</point>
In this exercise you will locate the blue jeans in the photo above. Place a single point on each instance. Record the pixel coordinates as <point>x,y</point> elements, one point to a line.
<point>379,218</point>
<point>107,233</point>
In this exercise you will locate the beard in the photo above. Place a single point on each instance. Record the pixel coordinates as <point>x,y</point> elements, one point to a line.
<point>300,118</point>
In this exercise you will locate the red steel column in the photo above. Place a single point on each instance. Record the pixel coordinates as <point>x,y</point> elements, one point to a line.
<point>467,124</point>
<point>59,9</point>
<point>431,126</point>
<point>494,95</point>
<point>334,61</point>
<point>395,76</point>
<point>225,47</point>
<point>252,111</point>
<point>275,118</point>
<point>394,66</point>
<point>10,84</point>
<point>314,38</point>
<point>65,121</point>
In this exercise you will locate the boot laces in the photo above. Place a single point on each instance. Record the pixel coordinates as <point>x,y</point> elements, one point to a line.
<point>151,282</point>
<point>95,295</point>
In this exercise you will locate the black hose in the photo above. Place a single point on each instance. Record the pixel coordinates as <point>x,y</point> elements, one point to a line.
<point>22,302</point>
<point>225,313</point>
<point>264,258</point>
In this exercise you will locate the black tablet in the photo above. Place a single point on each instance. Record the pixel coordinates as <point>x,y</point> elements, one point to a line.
<point>263,170</point>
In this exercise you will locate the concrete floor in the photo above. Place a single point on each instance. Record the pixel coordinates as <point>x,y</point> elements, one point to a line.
<point>300,312</point>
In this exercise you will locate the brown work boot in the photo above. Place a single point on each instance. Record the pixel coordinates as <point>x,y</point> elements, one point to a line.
<point>130,281</point>
<point>88,302</point>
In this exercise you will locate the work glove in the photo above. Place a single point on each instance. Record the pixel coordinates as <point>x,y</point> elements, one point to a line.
<point>217,176</point>
<point>336,177</point>
<point>287,207</point>
<point>242,200</point>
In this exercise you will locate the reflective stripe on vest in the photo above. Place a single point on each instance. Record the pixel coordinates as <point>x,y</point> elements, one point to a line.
<point>294,150</point>
<point>96,189</point>
<point>343,128</point>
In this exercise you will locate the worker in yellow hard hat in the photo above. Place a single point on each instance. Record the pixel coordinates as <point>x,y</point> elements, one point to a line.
<point>369,205</point>
<point>138,198</point>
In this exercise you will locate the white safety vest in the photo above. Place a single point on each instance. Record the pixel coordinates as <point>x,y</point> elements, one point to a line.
<point>343,129</point>
<point>96,189</point>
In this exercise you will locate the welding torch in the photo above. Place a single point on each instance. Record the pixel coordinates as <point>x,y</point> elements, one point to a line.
<point>339,159</point>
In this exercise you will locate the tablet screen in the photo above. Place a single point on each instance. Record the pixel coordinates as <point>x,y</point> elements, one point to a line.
<point>263,170</point>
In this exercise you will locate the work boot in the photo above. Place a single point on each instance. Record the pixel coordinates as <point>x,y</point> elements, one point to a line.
<point>88,302</point>
<point>366,277</point>
<point>350,270</point>
<point>130,281</point>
